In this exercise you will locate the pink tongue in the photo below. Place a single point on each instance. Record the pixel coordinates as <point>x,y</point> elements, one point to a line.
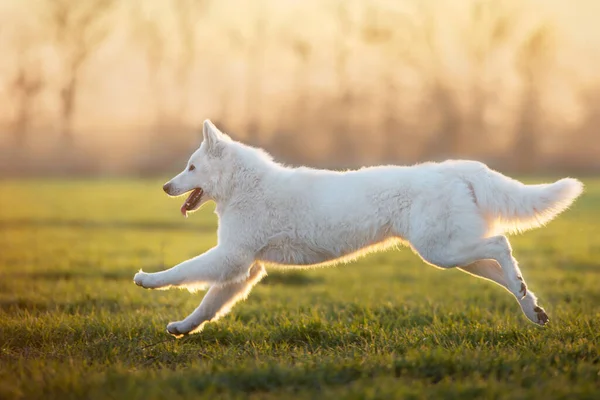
<point>184,210</point>
<point>186,204</point>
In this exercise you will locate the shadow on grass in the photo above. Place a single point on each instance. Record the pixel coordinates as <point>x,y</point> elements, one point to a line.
<point>273,278</point>
<point>81,307</point>
<point>290,278</point>
<point>70,275</point>
<point>90,224</point>
<point>14,305</point>
<point>74,275</point>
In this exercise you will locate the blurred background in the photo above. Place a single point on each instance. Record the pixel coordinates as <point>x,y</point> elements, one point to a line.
<point>110,88</point>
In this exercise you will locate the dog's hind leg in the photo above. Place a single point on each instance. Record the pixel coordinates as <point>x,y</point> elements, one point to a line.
<point>474,258</point>
<point>457,253</point>
<point>218,302</point>
<point>491,270</point>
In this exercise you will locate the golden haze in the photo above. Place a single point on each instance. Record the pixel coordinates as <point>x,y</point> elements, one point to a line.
<point>109,87</point>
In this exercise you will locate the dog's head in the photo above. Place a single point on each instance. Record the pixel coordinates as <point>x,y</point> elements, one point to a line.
<point>206,171</point>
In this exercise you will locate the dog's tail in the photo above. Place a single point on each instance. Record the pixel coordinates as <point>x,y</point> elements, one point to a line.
<point>516,207</point>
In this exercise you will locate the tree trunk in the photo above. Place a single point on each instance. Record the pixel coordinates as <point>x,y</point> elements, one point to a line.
<point>447,141</point>
<point>525,143</point>
<point>390,123</point>
<point>68,99</point>
<point>254,81</point>
<point>344,145</point>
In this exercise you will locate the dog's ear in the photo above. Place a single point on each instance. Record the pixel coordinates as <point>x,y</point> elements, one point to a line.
<point>214,138</point>
<point>211,134</point>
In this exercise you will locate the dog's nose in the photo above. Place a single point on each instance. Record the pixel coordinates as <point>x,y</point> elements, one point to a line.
<point>167,187</point>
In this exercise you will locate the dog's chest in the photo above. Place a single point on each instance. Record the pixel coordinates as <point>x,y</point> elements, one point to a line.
<point>287,249</point>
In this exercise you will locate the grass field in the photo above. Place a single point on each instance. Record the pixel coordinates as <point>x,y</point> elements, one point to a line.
<point>73,325</point>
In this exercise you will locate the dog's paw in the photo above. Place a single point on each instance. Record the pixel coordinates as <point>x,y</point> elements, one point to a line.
<point>139,278</point>
<point>144,280</point>
<point>534,313</point>
<point>541,316</point>
<point>177,329</point>
<point>184,328</point>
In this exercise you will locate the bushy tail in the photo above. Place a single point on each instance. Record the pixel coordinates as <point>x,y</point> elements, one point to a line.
<point>516,207</point>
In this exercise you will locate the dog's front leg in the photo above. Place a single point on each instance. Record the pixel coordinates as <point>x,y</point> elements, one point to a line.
<point>217,266</point>
<point>218,301</point>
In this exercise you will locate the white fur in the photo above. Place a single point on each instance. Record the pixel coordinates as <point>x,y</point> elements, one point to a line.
<point>453,214</point>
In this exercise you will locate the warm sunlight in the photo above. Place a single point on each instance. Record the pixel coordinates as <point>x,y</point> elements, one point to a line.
<point>367,199</point>
<point>425,79</point>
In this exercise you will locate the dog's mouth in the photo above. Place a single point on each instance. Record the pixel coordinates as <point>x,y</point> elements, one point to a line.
<point>192,202</point>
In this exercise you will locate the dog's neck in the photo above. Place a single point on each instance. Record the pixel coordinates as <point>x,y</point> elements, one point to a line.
<point>250,166</point>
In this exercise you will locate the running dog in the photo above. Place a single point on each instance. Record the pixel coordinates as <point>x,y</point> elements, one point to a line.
<point>452,214</point>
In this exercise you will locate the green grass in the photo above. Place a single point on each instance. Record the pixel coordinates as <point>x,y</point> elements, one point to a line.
<point>73,325</point>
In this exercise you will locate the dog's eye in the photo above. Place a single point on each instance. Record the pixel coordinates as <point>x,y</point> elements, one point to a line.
<point>191,168</point>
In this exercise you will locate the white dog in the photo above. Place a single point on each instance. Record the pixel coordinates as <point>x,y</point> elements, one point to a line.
<point>453,214</point>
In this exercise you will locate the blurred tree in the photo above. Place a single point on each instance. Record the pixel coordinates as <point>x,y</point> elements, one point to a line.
<point>382,27</point>
<point>302,50</point>
<point>582,148</point>
<point>252,45</point>
<point>534,63</point>
<point>27,84</point>
<point>188,14</point>
<point>236,43</point>
<point>292,128</point>
<point>416,40</point>
<point>149,36</point>
<point>428,58</point>
<point>255,52</point>
<point>167,33</point>
<point>170,62</point>
<point>491,26</point>
<point>344,143</point>
<point>79,28</point>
